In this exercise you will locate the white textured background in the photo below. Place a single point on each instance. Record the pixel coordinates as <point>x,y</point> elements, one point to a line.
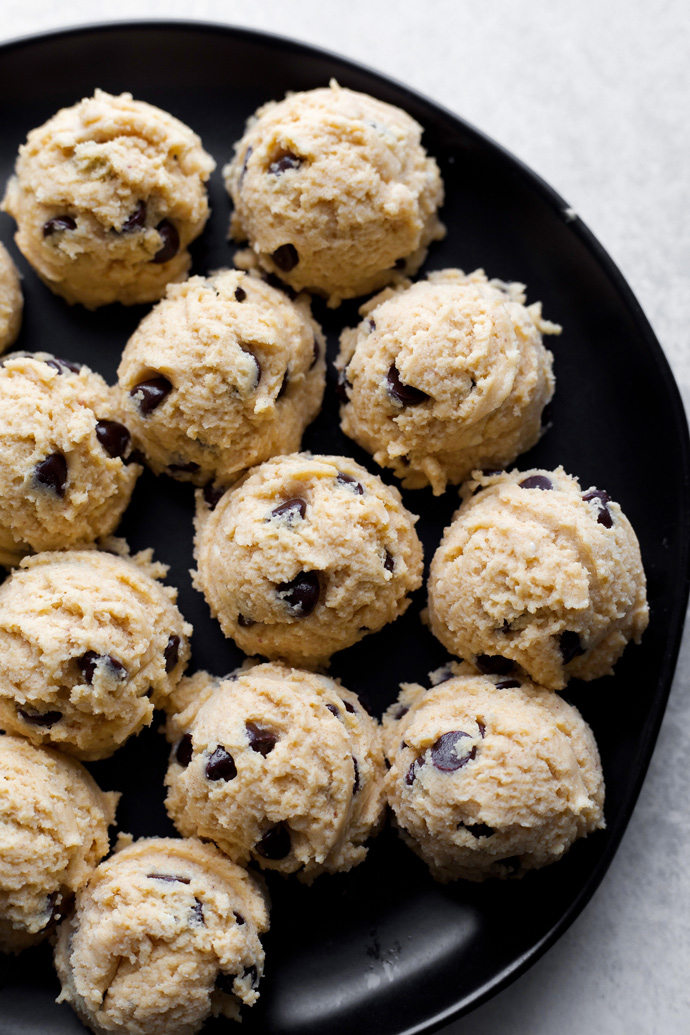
<point>594,95</point>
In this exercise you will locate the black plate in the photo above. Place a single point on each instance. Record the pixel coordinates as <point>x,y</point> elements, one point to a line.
<point>384,949</point>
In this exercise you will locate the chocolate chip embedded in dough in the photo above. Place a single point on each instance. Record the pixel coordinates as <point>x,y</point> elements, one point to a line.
<point>149,394</point>
<point>63,366</point>
<point>411,774</point>
<point>58,223</point>
<point>508,684</point>
<point>184,751</point>
<point>355,785</point>
<point>260,739</point>
<point>239,918</point>
<point>198,912</point>
<point>136,220</point>
<point>172,652</point>
<point>291,509</point>
<point>536,481</point>
<point>240,294</point>
<point>285,163</point>
<point>171,878</point>
<point>570,645</point>
<point>399,712</point>
<point>444,754</point>
<point>389,563</point>
<point>170,245</point>
<point>351,483</point>
<point>301,594</point>
<point>114,437</point>
<point>604,514</point>
<point>90,660</point>
<point>51,473</point>
<point>405,395</point>
<point>342,384</point>
<point>275,843</point>
<point>221,765</point>
<point>286,257</point>
<point>43,719</point>
<point>212,494</point>
<point>350,708</point>
<point>333,710</point>
<point>283,385</point>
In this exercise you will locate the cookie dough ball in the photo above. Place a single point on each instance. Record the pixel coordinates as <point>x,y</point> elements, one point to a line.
<point>490,777</point>
<point>225,372</point>
<point>107,195</point>
<point>165,934</point>
<point>11,301</point>
<point>53,830</point>
<point>445,376</point>
<point>279,766</point>
<point>334,192</point>
<point>537,575</point>
<point>306,556</point>
<point>90,643</point>
<point>65,479</point>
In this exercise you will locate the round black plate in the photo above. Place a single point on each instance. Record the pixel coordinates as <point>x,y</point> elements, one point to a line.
<point>384,949</point>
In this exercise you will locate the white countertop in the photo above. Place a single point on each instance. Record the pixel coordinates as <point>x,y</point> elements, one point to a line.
<point>595,97</point>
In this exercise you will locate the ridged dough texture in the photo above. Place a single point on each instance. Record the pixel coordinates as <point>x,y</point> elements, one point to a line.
<point>490,782</point>
<point>472,354</point>
<point>107,195</point>
<point>53,831</point>
<point>549,578</point>
<point>165,934</point>
<point>11,300</point>
<point>246,369</point>
<point>334,192</point>
<point>90,643</point>
<point>305,556</point>
<point>277,766</point>
<point>59,485</point>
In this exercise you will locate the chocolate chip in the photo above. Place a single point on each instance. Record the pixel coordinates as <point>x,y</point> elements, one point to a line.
<point>508,684</point>
<point>136,220</point>
<point>478,829</point>
<point>63,366</point>
<point>52,473</point>
<point>536,481</point>
<point>260,739</point>
<point>443,753</point>
<point>546,415</point>
<point>493,664</point>
<point>212,494</point>
<point>482,728</point>
<point>245,162</point>
<point>136,457</point>
<point>491,472</point>
<point>604,514</point>
<point>183,752</point>
<point>350,708</point>
<point>570,645</point>
<point>59,904</point>
<point>275,844</point>
<point>238,916</point>
<point>399,712</point>
<point>114,438</point>
<point>352,483</point>
<point>316,355</point>
<point>46,719</point>
<point>404,394</point>
<point>285,163</point>
<point>291,509</point>
<point>283,385</point>
<point>342,384</point>
<point>59,223</point>
<point>389,563</point>
<point>371,324</point>
<point>198,912</point>
<point>400,264</point>
<point>355,786</point>
<point>411,774</point>
<point>333,710</point>
<point>221,765</point>
<point>88,662</point>
<point>170,242</point>
<point>240,294</point>
<point>258,371</point>
<point>253,975</point>
<point>151,393</point>
<point>286,257</point>
<point>169,877</point>
<point>244,622</point>
<point>301,594</point>
<point>172,652</point>
<point>188,468</point>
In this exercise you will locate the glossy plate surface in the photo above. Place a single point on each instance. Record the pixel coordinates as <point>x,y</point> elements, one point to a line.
<point>384,949</point>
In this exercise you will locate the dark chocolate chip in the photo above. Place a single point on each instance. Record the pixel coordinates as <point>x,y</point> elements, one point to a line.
<point>238,916</point>
<point>315,355</point>
<point>283,385</point>
<point>400,264</point>
<point>183,752</point>
<point>253,975</point>
<point>493,664</point>
<point>478,829</point>
<point>411,774</point>
<point>258,371</point>
<point>136,457</point>
<point>285,163</point>
<point>536,481</point>
<point>355,785</point>
<point>491,472</point>
<point>275,844</point>
<point>212,494</point>
<point>114,438</point>
<point>172,652</point>
<point>301,594</point>
<point>389,563</point>
<point>386,763</point>
<point>404,394</point>
<point>52,473</point>
<point>247,156</point>
<point>604,514</point>
<point>221,765</point>
<point>443,753</point>
<point>290,509</point>
<point>352,483</point>
<point>546,415</point>
<point>198,912</point>
<point>333,710</point>
<point>371,324</point>
<point>260,739</point>
<point>570,645</point>
<point>508,684</point>
<point>170,245</point>
<point>286,257</point>
<point>88,662</point>
<point>59,223</point>
<point>399,712</point>
<point>63,366</point>
<point>342,384</point>
<point>244,622</point>
<point>240,294</point>
<point>350,708</point>
<point>136,220</point>
<point>59,904</point>
<point>171,878</point>
<point>46,719</point>
<point>188,468</point>
<point>151,393</point>
<point>482,728</point>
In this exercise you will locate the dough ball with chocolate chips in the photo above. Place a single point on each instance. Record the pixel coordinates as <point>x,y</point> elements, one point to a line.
<point>490,777</point>
<point>278,766</point>
<point>334,192</point>
<point>107,196</point>
<point>53,830</point>
<point>90,643</point>
<point>534,575</point>
<point>305,556</point>
<point>11,301</point>
<point>445,376</point>
<point>65,476</point>
<point>166,933</point>
<point>225,372</point>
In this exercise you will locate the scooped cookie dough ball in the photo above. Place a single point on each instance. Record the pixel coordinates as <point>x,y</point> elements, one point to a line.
<point>306,556</point>
<point>11,301</point>
<point>279,766</point>
<point>445,376</point>
<point>53,830</point>
<point>107,195</point>
<point>90,643</point>
<point>490,777</point>
<point>165,934</point>
<point>334,192</point>
<point>536,575</point>
<point>65,478</point>
<point>225,372</point>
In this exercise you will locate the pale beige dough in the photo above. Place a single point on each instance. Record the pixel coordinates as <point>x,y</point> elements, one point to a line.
<point>278,766</point>
<point>166,933</point>
<point>90,643</point>
<point>474,351</point>
<point>339,182</point>
<point>489,782</point>
<point>107,195</point>
<point>337,563</point>
<point>11,300</point>
<point>65,479</point>
<point>53,831</point>
<point>246,369</point>
<point>546,579</point>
